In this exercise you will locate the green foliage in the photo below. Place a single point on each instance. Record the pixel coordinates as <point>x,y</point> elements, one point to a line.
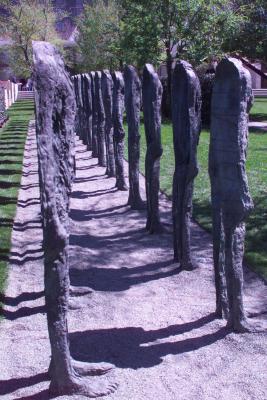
<point>193,30</point>
<point>25,21</point>
<point>140,33</point>
<point>250,39</point>
<point>12,141</point>
<point>99,35</point>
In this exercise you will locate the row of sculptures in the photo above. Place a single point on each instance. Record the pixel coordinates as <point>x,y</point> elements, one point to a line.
<point>100,99</point>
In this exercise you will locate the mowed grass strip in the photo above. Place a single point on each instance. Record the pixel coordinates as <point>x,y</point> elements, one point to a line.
<point>259,110</point>
<point>12,142</point>
<point>256,237</point>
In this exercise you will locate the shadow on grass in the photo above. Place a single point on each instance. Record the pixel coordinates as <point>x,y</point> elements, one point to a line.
<point>257,130</point>
<point>256,230</point>
<point>12,141</point>
<point>258,117</point>
<point>256,234</point>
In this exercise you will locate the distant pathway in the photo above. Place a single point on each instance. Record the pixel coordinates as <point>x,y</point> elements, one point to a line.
<point>154,322</point>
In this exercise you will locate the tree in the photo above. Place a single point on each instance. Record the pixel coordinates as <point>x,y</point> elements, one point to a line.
<point>23,22</point>
<point>169,29</point>
<point>99,35</point>
<point>250,39</point>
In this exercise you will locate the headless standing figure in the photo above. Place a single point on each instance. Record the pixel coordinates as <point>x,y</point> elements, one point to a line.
<point>186,118</point>
<point>55,113</point>
<point>94,117</point>
<point>100,121</point>
<point>84,120</point>
<point>231,201</point>
<point>107,94</point>
<point>152,95</point>
<point>132,105</point>
<point>88,109</point>
<point>79,105</point>
<point>119,134</point>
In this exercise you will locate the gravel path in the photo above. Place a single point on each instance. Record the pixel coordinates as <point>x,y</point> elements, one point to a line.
<point>154,322</point>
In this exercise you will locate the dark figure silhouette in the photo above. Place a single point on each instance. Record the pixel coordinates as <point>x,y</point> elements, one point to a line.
<point>231,201</point>
<point>94,117</point>
<point>132,105</point>
<point>152,95</point>
<point>186,118</point>
<point>107,89</point>
<point>119,134</point>
<point>102,160</point>
<point>88,110</point>
<point>79,105</point>
<point>55,113</point>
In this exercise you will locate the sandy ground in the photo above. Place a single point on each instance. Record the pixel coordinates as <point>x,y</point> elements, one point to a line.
<point>152,321</point>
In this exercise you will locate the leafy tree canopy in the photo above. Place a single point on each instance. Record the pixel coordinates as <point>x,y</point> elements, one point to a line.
<point>250,39</point>
<point>99,35</point>
<point>23,22</point>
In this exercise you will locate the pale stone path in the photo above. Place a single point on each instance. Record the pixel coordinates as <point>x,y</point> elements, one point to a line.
<point>152,321</point>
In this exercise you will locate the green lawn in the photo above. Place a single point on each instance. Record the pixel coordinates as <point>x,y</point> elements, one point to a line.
<point>12,141</point>
<point>259,110</point>
<point>256,238</point>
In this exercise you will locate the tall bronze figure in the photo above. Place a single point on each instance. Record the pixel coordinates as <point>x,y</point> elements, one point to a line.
<point>119,134</point>
<point>132,105</point>
<point>94,117</point>
<point>55,113</point>
<point>101,140</point>
<point>186,118</point>
<point>231,201</point>
<point>152,95</point>
<point>107,95</point>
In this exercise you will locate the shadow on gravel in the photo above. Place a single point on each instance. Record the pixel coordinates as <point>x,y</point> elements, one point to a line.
<point>134,348</point>
<point>84,195</point>
<point>79,215</point>
<point>22,312</point>
<point>31,224</point>
<point>15,301</point>
<point>11,385</point>
<point>121,279</point>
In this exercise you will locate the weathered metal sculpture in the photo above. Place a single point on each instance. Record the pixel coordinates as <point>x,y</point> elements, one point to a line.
<point>79,103</point>
<point>107,89</point>
<point>119,134</point>
<point>75,87</point>
<point>84,126</point>
<point>132,106</point>
<point>55,112</point>
<point>152,95</point>
<point>88,110</point>
<point>94,117</point>
<point>3,112</point>
<point>186,118</point>
<point>231,201</point>
<point>102,160</point>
